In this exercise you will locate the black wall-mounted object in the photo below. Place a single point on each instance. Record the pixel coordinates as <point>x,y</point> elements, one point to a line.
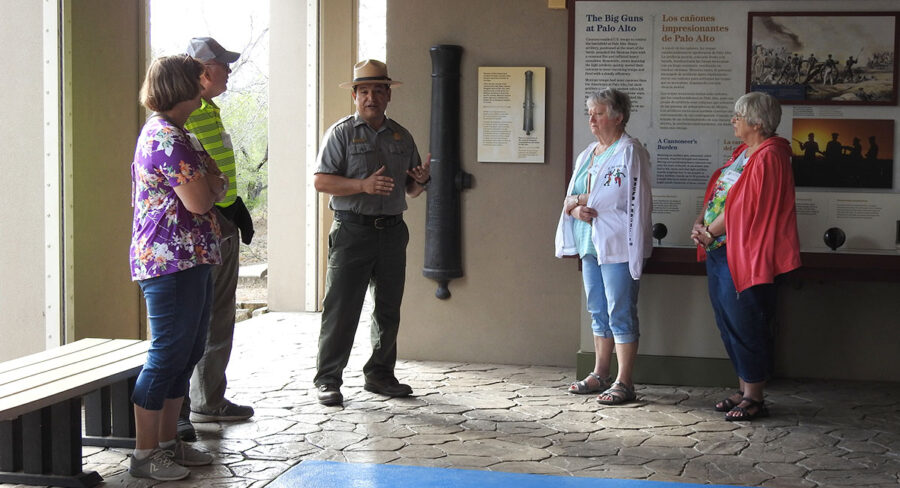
<point>660,231</point>
<point>443,237</point>
<point>834,238</point>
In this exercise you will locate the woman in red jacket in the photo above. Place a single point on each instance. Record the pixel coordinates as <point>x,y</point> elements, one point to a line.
<point>747,233</point>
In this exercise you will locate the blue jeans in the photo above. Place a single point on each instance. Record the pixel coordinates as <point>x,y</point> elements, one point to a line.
<point>611,299</point>
<point>178,307</point>
<point>745,319</point>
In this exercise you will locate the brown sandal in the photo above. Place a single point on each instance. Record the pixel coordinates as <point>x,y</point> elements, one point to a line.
<point>744,412</point>
<point>727,404</point>
<point>618,394</point>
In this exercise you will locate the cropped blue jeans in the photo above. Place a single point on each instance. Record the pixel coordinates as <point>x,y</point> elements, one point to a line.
<point>745,319</point>
<point>178,306</point>
<point>611,299</point>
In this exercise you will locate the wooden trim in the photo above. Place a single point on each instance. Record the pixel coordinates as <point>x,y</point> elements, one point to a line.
<point>570,94</point>
<point>816,265</point>
<point>672,260</point>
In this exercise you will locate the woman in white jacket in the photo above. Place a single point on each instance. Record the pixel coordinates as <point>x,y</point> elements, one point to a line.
<point>606,220</point>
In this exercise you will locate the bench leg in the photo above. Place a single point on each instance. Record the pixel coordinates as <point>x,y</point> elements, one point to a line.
<point>11,445</point>
<point>65,441</point>
<point>109,416</point>
<point>87,479</point>
<point>50,443</point>
<point>36,431</point>
<point>123,409</point>
<point>96,413</point>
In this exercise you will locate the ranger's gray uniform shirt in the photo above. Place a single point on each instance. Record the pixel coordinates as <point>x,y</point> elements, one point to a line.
<point>352,149</point>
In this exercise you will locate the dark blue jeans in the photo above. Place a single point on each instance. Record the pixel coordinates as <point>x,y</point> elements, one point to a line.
<point>178,307</point>
<point>745,319</point>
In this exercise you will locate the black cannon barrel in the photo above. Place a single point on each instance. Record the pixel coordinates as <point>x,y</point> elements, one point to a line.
<point>528,104</point>
<point>443,255</point>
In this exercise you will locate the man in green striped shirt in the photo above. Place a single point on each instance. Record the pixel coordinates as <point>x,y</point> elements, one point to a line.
<point>206,400</point>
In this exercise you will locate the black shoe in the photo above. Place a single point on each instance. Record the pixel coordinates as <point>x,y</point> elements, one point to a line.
<point>186,430</point>
<point>388,386</point>
<point>330,395</point>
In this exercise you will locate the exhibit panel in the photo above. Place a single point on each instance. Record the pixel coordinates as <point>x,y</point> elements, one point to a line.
<point>684,65</point>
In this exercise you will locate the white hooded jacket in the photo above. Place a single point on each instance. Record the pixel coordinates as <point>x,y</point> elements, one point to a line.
<point>621,195</point>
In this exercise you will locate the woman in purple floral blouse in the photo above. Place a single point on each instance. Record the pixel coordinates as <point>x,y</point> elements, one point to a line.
<point>174,242</point>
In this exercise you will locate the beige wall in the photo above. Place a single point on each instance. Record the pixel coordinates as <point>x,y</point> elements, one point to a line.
<point>107,67</point>
<point>517,303</point>
<point>288,173</point>
<point>676,318</point>
<point>22,166</point>
<point>104,62</point>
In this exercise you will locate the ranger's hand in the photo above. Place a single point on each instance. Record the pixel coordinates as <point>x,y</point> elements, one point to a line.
<point>422,172</point>
<point>376,184</point>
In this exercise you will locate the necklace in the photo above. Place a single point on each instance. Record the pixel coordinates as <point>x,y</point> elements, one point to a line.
<point>599,159</point>
<point>601,147</point>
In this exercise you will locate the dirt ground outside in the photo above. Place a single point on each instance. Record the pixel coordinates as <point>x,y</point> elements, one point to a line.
<point>255,253</point>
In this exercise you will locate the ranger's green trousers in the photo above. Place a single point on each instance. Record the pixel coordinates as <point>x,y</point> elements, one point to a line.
<point>361,256</point>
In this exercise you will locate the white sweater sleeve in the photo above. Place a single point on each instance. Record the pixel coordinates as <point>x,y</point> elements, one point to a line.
<point>565,240</point>
<point>639,210</point>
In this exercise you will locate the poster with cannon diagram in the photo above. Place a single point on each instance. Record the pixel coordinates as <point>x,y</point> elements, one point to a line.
<point>511,125</point>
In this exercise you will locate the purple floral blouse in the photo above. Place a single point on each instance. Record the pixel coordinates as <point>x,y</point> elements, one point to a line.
<point>166,237</point>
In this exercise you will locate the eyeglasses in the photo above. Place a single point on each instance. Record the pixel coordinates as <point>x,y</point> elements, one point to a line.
<point>737,116</point>
<point>222,65</point>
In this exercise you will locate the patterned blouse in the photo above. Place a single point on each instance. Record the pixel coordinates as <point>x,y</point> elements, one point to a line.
<point>166,237</point>
<point>716,204</point>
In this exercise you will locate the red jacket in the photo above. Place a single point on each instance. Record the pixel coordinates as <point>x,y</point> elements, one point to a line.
<point>760,218</point>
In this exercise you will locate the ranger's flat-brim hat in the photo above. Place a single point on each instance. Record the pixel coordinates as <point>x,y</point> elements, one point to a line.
<point>370,71</point>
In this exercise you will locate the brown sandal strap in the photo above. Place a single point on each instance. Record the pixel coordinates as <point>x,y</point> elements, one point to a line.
<point>620,392</point>
<point>745,411</point>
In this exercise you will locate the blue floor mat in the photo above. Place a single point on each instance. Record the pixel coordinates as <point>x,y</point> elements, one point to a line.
<point>329,474</point>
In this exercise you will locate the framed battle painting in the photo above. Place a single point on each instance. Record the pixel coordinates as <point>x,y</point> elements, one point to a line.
<point>827,58</point>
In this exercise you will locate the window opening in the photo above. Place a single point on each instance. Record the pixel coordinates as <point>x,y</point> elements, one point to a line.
<point>242,27</point>
<point>372,42</point>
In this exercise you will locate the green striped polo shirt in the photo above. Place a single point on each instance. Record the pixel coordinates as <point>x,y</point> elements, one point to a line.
<point>206,124</point>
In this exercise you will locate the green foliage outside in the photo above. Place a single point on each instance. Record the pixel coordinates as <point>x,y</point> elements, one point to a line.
<point>245,114</point>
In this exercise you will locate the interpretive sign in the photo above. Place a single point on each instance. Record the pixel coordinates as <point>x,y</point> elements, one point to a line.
<point>684,64</point>
<point>511,114</point>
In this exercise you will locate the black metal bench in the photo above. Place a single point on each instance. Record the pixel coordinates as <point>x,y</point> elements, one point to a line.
<point>40,409</point>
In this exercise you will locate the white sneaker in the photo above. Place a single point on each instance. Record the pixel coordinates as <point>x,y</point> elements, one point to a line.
<point>185,455</point>
<point>158,466</point>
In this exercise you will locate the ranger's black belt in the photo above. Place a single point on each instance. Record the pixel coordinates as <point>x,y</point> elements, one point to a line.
<point>377,221</point>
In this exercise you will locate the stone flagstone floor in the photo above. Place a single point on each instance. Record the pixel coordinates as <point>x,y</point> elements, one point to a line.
<point>519,419</point>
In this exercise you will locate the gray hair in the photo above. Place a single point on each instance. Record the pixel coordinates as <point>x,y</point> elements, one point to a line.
<point>617,103</point>
<point>760,109</point>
